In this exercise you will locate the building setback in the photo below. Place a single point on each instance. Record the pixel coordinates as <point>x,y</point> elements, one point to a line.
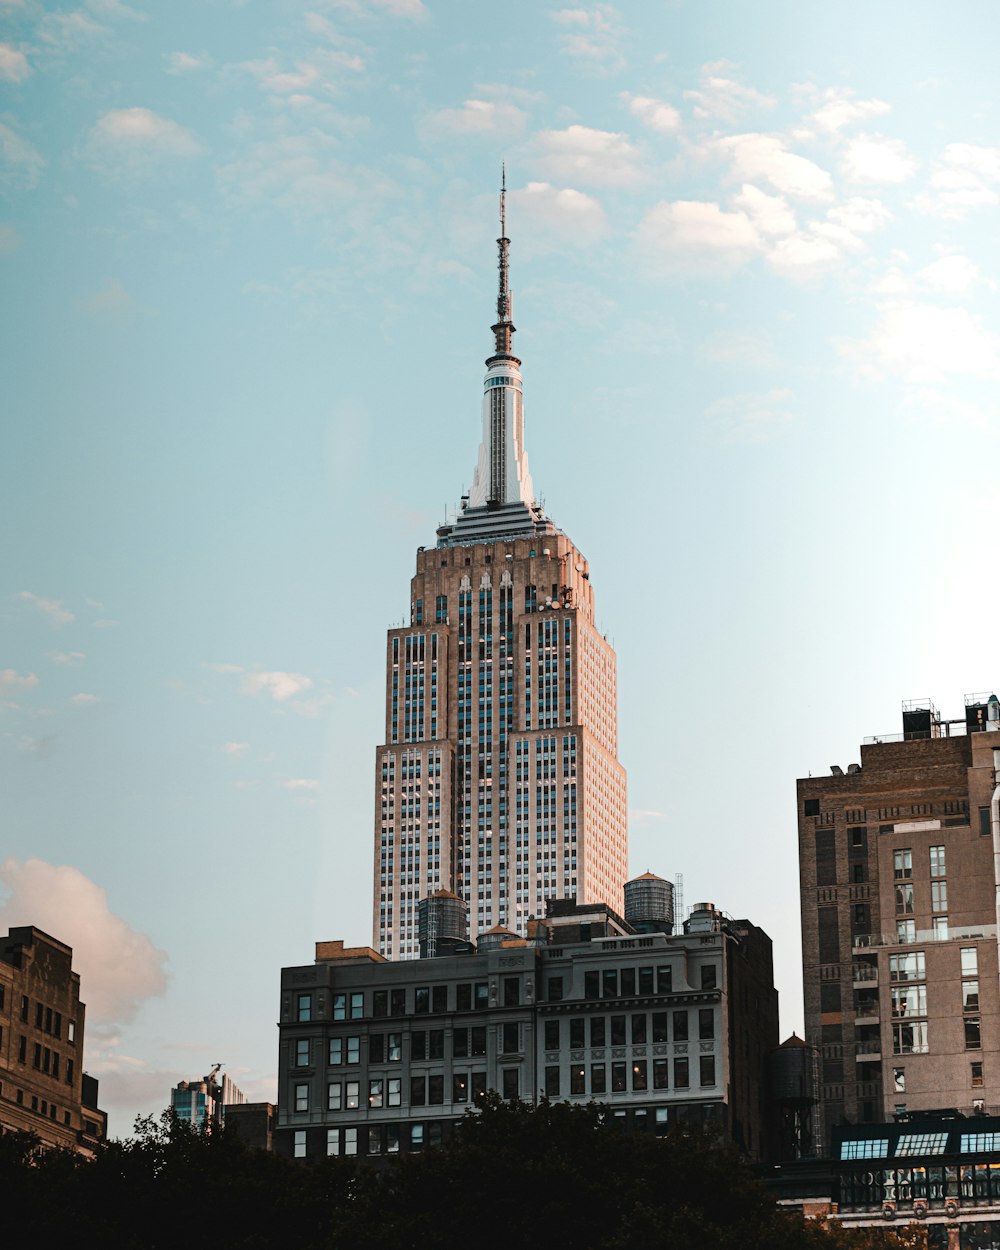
<point>499,777</point>
<point>899,920</point>
<point>379,1058</point>
<point>43,1088</point>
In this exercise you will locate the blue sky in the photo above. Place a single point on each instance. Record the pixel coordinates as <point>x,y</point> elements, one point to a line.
<point>248,268</point>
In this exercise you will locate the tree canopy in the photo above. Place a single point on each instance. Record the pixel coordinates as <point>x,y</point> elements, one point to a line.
<point>509,1175</point>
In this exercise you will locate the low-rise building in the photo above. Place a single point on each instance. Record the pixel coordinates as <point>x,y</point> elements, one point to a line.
<point>379,1057</point>
<point>43,1088</point>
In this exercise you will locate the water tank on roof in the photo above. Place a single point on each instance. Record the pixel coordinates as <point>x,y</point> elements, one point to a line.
<point>792,1072</point>
<point>649,904</point>
<point>442,921</point>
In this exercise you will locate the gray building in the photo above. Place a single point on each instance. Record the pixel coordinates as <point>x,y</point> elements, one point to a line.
<point>377,1057</point>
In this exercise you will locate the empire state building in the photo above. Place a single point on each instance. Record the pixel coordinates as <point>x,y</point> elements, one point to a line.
<point>499,777</point>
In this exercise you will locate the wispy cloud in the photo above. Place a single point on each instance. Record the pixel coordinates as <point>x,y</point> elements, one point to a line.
<point>135,141</point>
<point>924,343</point>
<point>279,685</point>
<point>83,699</point>
<point>753,417</point>
<point>582,154</point>
<point>721,97</point>
<point>654,114</point>
<point>560,216</point>
<point>52,608</point>
<point>592,36</point>
<point>14,65</point>
<point>10,679</point>
<point>235,748</point>
<point>71,658</point>
<point>20,163</point>
<point>309,784</point>
<point>697,236</point>
<point>476,117</point>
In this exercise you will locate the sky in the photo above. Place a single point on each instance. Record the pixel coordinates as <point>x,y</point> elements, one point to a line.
<point>247,274</point>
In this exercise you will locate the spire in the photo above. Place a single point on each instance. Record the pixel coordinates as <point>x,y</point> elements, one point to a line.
<point>503,331</point>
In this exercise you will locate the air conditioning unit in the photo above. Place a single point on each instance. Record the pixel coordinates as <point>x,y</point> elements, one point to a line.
<point>920,1208</point>
<point>951,1208</point>
<point>888,1210</point>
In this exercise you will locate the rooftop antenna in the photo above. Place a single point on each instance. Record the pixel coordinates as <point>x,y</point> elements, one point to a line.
<point>678,902</point>
<point>503,331</point>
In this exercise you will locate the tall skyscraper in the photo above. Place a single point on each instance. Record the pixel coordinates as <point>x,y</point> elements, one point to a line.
<point>899,861</point>
<point>499,776</point>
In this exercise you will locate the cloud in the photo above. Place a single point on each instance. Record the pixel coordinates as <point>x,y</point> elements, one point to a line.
<point>20,164</point>
<point>951,275</point>
<point>412,9</point>
<point>280,686</point>
<point>119,967</point>
<point>722,97</point>
<point>753,417</point>
<point>300,783</point>
<point>136,140</point>
<point>477,117</point>
<point>14,65</point>
<point>186,62</point>
<point>860,216</point>
<point>236,748</point>
<point>83,699</point>
<point>563,215</point>
<point>68,31</point>
<point>924,343</point>
<point>225,668</point>
<point>770,214</point>
<point>12,680</point>
<point>875,159</point>
<point>72,658</point>
<point>110,300</point>
<point>307,75</point>
<point>809,252</point>
<point>592,36</point>
<point>840,109</point>
<point>654,114</point>
<point>53,608</point>
<point>697,235</point>
<point>959,182</point>
<point>581,154</point>
<point>757,157</point>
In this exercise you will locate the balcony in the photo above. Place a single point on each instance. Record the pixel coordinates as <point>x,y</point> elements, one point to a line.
<point>865,1051</point>
<point>956,933</point>
<point>865,1016</point>
<point>865,974</point>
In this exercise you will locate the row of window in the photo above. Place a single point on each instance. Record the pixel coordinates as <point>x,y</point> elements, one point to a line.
<point>659,1026</point>
<point>625,1076</point>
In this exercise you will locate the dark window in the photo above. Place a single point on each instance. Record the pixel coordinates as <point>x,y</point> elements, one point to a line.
<point>706,1024</point>
<point>478,1086</point>
<point>829,935</point>
<point>460,1043</point>
<point>628,981</point>
<point>439,998</point>
<point>418,1091</point>
<point>707,1066</point>
<point>421,1000</point>
<point>617,1030</point>
<point>482,995</point>
<point>479,1040</point>
<point>510,1084</point>
<point>646,980</point>
<point>460,1087</point>
<point>708,981</point>
<point>418,1045</point>
<point>435,1044</point>
<point>609,983</point>
<point>577,1080</point>
<point>826,857</point>
<point>660,1069</point>
<point>597,1031</point>
<point>681,1073</point>
<point>598,1079</point>
<point>811,807</point>
<point>463,997</point>
<point>680,1026</point>
<point>592,984</point>
<point>857,838</point>
<point>397,1003</point>
<point>511,991</point>
<point>508,1035</point>
<point>380,1003</point>
<point>639,1074</point>
<point>638,1029</point>
<point>984,826</point>
<point>376,1048</point>
<point>576,1033</point>
<point>664,979</point>
<point>618,1078</point>
<point>552,1081</point>
<point>829,996</point>
<point>659,1026</point>
<point>435,1090</point>
<point>555,989</point>
<point>24,1001</point>
<point>972,1033</point>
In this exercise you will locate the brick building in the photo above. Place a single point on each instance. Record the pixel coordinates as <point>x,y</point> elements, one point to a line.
<point>43,1088</point>
<point>899,920</point>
